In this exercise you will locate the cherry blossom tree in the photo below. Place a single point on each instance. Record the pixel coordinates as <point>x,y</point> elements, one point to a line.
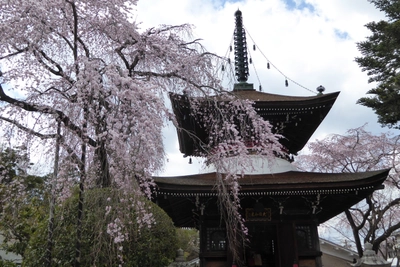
<point>85,76</point>
<point>358,150</point>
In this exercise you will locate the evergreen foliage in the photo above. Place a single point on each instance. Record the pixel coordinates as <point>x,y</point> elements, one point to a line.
<point>381,59</point>
<point>22,201</point>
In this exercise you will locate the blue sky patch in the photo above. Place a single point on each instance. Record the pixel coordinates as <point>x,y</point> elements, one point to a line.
<point>227,1</point>
<point>299,5</point>
<point>341,34</point>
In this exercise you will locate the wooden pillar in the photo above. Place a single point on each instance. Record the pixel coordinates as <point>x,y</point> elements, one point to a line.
<point>203,237</point>
<point>287,244</point>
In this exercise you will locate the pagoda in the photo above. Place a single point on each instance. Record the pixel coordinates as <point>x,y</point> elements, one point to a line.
<point>282,206</point>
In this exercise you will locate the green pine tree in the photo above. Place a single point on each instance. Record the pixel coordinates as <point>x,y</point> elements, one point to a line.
<point>381,59</point>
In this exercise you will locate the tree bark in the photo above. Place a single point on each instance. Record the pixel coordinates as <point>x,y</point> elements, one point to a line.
<point>49,249</point>
<point>80,208</point>
<point>355,233</point>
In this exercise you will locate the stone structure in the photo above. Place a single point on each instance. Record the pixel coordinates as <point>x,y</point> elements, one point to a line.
<point>180,261</point>
<point>371,259</point>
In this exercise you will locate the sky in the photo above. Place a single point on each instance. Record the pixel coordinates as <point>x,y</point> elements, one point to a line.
<point>310,42</point>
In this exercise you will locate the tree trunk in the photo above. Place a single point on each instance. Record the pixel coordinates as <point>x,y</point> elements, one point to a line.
<point>48,256</point>
<point>80,208</point>
<point>104,179</point>
<point>355,233</point>
<point>82,169</point>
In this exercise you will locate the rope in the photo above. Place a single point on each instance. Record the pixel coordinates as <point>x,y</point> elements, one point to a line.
<point>227,64</point>
<point>254,67</point>
<point>286,77</point>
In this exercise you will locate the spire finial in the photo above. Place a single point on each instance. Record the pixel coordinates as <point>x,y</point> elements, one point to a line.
<point>241,61</point>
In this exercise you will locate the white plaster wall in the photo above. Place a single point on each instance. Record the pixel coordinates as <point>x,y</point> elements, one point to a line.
<point>257,164</point>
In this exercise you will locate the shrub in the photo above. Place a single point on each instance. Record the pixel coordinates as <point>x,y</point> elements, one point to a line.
<point>111,233</point>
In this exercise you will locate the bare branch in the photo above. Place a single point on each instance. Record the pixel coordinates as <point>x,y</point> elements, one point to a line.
<point>47,110</point>
<point>19,51</point>
<point>28,130</point>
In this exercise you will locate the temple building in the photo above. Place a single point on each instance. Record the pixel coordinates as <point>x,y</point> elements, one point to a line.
<point>282,206</point>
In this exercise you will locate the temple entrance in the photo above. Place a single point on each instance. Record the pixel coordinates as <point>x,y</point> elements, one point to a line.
<point>262,250</point>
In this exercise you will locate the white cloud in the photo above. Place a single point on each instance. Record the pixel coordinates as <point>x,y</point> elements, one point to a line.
<point>313,48</point>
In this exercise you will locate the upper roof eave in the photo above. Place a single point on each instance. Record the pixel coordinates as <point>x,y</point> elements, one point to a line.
<point>268,97</point>
<point>254,95</point>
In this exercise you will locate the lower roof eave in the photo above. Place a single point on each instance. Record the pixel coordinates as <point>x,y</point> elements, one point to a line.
<point>213,193</point>
<point>288,183</point>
